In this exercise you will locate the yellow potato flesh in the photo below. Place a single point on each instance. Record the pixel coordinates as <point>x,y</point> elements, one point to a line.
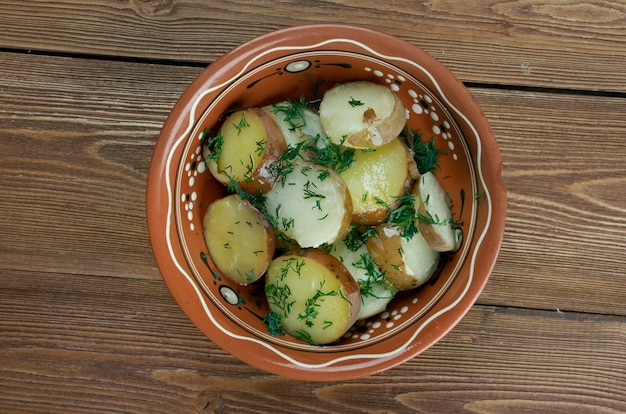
<point>239,239</point>
<point>380,174</point>
<point>315,296</point>
<point>244,142</point>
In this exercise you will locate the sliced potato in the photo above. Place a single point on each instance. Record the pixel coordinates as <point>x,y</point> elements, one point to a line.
<point>310,205</point>
<point>376,179</point>
<point>374,288</point>
<point>295,128</point>
<point>435,218</point>
<point>314,295</point>
<point>407,263</point>
<point>361,114</point>
<point>240,240</point>
<point>248,144</point>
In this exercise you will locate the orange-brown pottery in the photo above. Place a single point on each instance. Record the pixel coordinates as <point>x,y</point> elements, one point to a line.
<point>306,61</point>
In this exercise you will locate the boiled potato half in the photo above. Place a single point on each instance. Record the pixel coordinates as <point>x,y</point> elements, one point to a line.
<point>435,218</point>
<point>240,240</point>
<point>375,290</point>
<point>376,179</point>
<point>407,263</point>
<point>247,145</point>
<point>313,294</point>
<point>310,205</point>
<point>361,114</point>
<point>304,125</point>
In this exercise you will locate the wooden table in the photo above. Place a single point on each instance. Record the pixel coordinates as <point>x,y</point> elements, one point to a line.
<point>86,322</point>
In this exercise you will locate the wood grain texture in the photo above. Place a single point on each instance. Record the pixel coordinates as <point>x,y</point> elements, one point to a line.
<point>81,344</point>
<point>87,324</point>
<point>563,44</point>
<point>564,169</point>
<point>566,210</point>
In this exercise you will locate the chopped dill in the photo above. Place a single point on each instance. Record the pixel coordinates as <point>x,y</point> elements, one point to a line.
<point>243,123</point>
<point>357,236</point>
<point>424,153</point>
<point>332,155</point>
<point>272,320</point>
<point>279,297</point>
<point>260,147</point>
<point>354,102</point>
<point>374,278</point>
<point>293,112</point>
<point>312,303</point>
<point>256,199</point>
<point>303,336</point>
<point>310,193</point>
<point>316,83</point>
<point>214,145</point>
<point>403,216</point>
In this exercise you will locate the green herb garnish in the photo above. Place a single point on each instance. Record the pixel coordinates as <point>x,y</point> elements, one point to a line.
<point>313,303</point>
<point>353,102</point>
<point>332,155</point>
<point>293,112</point>
<point>424,153</point>
<point>403,216</point>
<point>357,236</point>
<point>243,123</point>
<point>213,145</point>
<point>374,277</point>
<point>274,327</point>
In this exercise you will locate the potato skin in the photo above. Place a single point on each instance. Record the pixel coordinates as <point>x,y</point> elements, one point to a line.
<point>381,131</point>
<point>293,284</point>
<point>433,203</point>
<point>389,250</point>
<point>362,114</point>
<point>262,129</point>
<point>241,242</point>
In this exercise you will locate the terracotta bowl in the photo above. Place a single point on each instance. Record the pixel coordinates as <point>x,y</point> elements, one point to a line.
<point>290,63</point>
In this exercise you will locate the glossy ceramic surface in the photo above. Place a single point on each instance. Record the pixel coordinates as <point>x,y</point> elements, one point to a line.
<point>307,60</point>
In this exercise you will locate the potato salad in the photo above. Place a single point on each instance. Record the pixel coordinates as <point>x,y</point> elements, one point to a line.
<point>326,207</point>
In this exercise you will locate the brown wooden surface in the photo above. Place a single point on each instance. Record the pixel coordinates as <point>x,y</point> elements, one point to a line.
<point>86,322</point>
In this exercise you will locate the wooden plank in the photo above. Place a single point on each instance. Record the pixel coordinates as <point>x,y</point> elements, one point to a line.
<point>566,225</point>
<point>96,185</point>
<point>551,44</point>
<point>82,344</point>
<point>82,143</point>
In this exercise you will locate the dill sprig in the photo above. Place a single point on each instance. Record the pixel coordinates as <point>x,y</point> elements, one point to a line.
<point>403,216</point>
<point>310,193</point>
<point>374,278</point>
<point>293,112</point>
<point>280,296</point>
<point>424,153</point>
<point>243,123</point>
<point>257,199</point>
<point>358,235</point>
<point>285,164</point>
<point>354,102</point>
<point>332,155</point>
<point>274,327</point>
<point>313,303</point>
<point>213,143</point>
